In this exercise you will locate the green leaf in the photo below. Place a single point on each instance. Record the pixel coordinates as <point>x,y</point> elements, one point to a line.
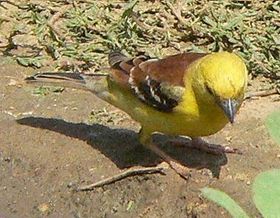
<point>41,90</point>
<point>209,21</point>
<point>129,8</point>
<point>234,22</point>
<point>36,63</point>
<point>223,200</point>
<point>266,193</point>
<point>273,125</point>
<point>23,61</point>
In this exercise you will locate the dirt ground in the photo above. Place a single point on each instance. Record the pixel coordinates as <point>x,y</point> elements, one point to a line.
<point>51,143</point>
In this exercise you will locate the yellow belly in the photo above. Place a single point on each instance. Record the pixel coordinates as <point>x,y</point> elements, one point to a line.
<point>175,123</point>
<point>189,120</point>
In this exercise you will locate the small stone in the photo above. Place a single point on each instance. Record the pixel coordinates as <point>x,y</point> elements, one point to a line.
<point>70,185</point>
<point>4,42</point>
<point>8,159</point>
<point>12,82</point>
<point>25,40</point>
<point>229,138</point>
<point>91,169</point>
<point>241,177</point>
<point>114,210</point>
<point>43,207</point>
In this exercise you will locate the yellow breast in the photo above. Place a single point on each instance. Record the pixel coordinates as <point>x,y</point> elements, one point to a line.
<point>187,118</point>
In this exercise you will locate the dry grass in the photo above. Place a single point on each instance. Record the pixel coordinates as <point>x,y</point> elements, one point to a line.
<point>77,35</point>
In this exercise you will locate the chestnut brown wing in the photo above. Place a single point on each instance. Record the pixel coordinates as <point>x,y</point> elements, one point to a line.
<point>156,82</point>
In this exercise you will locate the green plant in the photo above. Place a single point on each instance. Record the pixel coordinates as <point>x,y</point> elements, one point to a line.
<point>265,189</point>
<point>225,201</point>
<point>30,61</point>
<point>266,196</point>
<point>266,193</point>
<point>273,125</point>
<point>42,91</point>
<point>86,31</point>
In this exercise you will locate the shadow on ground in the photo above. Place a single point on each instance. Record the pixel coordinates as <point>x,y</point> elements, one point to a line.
<point>122,147</point>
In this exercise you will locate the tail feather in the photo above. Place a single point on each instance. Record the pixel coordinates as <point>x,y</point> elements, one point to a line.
<point>69,80</point>
<point>57,75</point>
<point>95,83</point>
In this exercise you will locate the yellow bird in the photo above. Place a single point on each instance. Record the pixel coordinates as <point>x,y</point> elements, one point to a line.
<point>191,94</point>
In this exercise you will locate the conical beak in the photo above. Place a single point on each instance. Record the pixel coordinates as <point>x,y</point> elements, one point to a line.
<point>229,106</point>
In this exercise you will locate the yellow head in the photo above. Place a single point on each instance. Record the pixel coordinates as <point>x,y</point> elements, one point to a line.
<point>221,79</point>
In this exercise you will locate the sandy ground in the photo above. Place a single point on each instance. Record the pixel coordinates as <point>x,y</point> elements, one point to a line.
<point>51,143</point>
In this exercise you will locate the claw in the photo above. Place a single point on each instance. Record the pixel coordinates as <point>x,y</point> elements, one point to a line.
<point>200,144</point>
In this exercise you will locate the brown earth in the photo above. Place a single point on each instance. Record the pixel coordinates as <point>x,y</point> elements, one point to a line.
<point>49,145</point>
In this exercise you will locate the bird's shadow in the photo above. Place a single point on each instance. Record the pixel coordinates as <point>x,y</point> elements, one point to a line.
<point>122,146</point>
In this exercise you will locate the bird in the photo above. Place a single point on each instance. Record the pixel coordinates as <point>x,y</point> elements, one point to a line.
<point>186,94</point>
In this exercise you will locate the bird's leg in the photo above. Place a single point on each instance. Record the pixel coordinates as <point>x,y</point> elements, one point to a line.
<point>200,144</point>
<point>146,140</point>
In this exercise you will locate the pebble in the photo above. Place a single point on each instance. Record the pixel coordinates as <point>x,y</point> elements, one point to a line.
<point>12,82</point>
<point>43,207</point>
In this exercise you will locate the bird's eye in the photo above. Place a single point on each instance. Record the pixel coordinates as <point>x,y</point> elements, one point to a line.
<point>209,90</point>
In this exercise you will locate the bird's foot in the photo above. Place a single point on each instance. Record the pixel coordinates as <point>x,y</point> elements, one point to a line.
<point>181,170</point>
<point>202,145</point>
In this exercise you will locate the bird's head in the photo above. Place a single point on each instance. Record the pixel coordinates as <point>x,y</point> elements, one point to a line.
<point>222,80</point>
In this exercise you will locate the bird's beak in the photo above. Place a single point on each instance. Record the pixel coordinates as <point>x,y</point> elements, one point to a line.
<point>229,106</point>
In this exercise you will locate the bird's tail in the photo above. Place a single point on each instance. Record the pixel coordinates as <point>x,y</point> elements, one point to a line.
<point>96,83</point>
